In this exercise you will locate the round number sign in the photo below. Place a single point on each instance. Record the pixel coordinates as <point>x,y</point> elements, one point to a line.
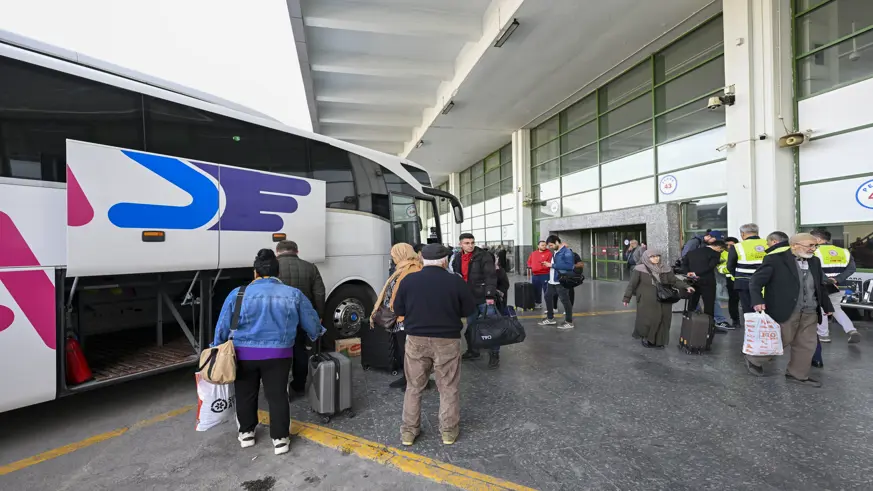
<point>864,195</point>
<point>668,185</point>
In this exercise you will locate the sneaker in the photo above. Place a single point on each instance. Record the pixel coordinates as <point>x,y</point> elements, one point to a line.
<point>720,329</point>
<point>724,325</point>
<point>538,306</point>
<point>246,439</point>
<point>281,445</point>
<point>817,364</point>
<point>809,382</point>
<point>755,370</point>
<point>450,436</point>
<point>565,326</point>
<point>407,438</point>
<point>854,336</point>
<point>493,361</point>
<point>471,355</point>
<point>824,339</point>
<point>548,322</point>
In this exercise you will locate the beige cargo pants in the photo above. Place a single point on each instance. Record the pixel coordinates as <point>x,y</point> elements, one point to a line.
<point>442,356</point>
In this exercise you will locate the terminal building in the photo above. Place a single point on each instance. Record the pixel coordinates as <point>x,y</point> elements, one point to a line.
<point>610,121</point>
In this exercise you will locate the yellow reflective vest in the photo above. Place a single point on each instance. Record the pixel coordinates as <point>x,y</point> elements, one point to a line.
<point>834,260</point>
<point>750,255</point>
<point>722,265</point>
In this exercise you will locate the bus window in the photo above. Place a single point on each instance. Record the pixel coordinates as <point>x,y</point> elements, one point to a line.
<point>40,109</point>
<point>332,165</point>
<point>419,174</point>
<point>174,129</point>
<point>287,153</point>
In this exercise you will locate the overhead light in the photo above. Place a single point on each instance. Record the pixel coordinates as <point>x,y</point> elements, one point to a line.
<point>505,33</point>
<point>419,144</point>
<point>448,107</point>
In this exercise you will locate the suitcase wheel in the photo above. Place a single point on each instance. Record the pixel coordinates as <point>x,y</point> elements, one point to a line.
<point>350,413</point>
<point>394,372</point>
<point>325,420</point>
<point>366,367</point>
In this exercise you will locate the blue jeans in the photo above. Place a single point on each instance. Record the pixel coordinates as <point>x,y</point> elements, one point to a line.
<point>817,355</point>
<point>719,313</point>
<point>482,309</point>
<point>540,283</point>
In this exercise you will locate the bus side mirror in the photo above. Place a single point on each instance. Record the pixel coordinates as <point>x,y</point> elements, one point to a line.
<point>459,214</point>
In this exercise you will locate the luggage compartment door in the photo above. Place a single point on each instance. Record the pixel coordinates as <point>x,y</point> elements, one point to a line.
<point>131,212</point>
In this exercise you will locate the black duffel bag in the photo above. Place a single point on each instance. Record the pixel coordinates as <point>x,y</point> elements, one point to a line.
<point>493,330</point>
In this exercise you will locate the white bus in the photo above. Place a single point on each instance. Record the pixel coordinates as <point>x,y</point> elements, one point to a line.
<point>129,207</point>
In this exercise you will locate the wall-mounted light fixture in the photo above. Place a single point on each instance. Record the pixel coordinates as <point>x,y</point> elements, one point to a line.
<point>504,34</point>
<point>448,107</point>
<point>419,144</point>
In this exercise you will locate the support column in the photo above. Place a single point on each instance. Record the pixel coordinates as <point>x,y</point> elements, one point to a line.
<point>521,185</point>
<point>758,64</point>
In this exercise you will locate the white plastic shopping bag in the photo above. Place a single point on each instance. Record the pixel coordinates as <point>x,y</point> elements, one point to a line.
<point>215,403</point>
<point>763,336</point>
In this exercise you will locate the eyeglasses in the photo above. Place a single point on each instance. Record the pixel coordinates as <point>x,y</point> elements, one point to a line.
<point>809,246</point>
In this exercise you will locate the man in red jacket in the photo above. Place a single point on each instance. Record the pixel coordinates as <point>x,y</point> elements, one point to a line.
<point>539,273</point>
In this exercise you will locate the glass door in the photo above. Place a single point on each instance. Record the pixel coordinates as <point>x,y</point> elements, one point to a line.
<point>609,251</point>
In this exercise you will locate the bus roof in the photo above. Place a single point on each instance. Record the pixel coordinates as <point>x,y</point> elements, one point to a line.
<point>43,54</point>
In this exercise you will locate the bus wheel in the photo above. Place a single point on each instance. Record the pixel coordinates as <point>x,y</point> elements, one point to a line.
<point>347,309</point>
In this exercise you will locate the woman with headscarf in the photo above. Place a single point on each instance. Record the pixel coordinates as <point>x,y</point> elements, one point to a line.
<point>653,317</point>
<point>406,262</point>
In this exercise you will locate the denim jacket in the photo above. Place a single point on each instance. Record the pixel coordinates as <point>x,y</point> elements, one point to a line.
<point>270,315</point>
<point>562,263</point>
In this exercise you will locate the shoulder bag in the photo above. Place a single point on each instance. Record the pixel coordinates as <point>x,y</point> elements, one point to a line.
<point>218,364</point>
<point>667,293</point>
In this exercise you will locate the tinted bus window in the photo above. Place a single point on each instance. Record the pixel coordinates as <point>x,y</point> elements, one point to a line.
<point>41,108</point>
<point>287,153</point>
<point>419,175</point>
<point>332,165</point>
<point>183,131</point>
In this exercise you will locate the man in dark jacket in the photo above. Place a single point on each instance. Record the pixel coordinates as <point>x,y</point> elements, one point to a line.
<point>433,302</point>
<point>794,296</point>
<point>304,276</point>
<point>476,266</point>
<point>700,265</point>
<point>699,241</point>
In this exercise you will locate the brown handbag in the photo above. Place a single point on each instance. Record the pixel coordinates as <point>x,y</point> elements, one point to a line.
<point>385,318</point>
<point>218,364</point>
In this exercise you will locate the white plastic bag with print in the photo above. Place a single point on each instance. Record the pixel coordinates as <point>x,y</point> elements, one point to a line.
<point>763,336</point>
<point>216,403</point>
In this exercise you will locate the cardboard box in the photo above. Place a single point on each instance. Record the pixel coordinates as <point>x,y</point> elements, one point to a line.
<point>349,347</point>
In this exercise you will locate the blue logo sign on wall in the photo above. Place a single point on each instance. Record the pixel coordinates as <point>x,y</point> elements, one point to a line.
<point>864,194</point>
<point>668,184</point>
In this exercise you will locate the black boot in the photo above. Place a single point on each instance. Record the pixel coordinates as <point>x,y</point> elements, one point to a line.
<point>398,384</point>
<point>494,361</point>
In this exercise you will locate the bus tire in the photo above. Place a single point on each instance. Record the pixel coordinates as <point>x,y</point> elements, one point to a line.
<point>344,313</point>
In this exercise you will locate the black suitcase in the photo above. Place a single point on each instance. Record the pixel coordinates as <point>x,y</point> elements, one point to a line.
<point>697,333</point>
<point>378,349</point>
<point>525,296</point>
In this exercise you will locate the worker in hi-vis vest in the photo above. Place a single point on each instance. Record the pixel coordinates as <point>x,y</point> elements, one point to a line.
<point>838,265</point>
<point>733,295</point>
<point>744,259</point>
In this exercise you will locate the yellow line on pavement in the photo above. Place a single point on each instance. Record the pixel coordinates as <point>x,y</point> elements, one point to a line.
<point>583,314</point>
<point>407,462</point>
<point>87,442</point>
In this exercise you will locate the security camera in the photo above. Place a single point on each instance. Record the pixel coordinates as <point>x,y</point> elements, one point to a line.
<point>714,103</point>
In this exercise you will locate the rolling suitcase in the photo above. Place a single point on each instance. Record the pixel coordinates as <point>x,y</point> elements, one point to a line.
<point>697,333</point>
<point>525,295</point>
<point>378,349</point>
<point>329,384</point>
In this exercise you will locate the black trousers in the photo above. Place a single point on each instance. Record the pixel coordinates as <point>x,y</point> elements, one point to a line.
<point>705,290</point>
<point>399,349</point>
<point>572,298</point>
<point>745,300</point>
<point>563,294</point>
<point>274,374</point>
<point>734,302</point>
<point>300,363</point>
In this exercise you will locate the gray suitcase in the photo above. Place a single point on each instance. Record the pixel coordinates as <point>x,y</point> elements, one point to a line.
<point>329,385</point>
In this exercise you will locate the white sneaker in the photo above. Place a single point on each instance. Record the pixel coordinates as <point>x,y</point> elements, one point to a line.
<point>246,440</point>
<point>565,326</point>
<point>548,322</point>
<point>281,446</point>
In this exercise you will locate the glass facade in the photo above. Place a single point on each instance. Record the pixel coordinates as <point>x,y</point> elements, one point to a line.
<point>832,43</point>
<point>488,200</point>
<point>660,100</point>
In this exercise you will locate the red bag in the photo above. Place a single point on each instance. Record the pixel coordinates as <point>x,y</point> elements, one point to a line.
<point>78,370</point>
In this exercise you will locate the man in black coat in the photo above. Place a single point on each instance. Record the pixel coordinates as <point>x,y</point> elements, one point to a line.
<point>477,267</point>
<point>794,296</point>
<point>700,265</point>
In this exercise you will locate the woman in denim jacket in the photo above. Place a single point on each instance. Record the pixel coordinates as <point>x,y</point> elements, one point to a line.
<point>270,315</point>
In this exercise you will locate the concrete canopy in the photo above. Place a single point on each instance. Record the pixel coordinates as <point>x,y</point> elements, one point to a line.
<point>382,71</point>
